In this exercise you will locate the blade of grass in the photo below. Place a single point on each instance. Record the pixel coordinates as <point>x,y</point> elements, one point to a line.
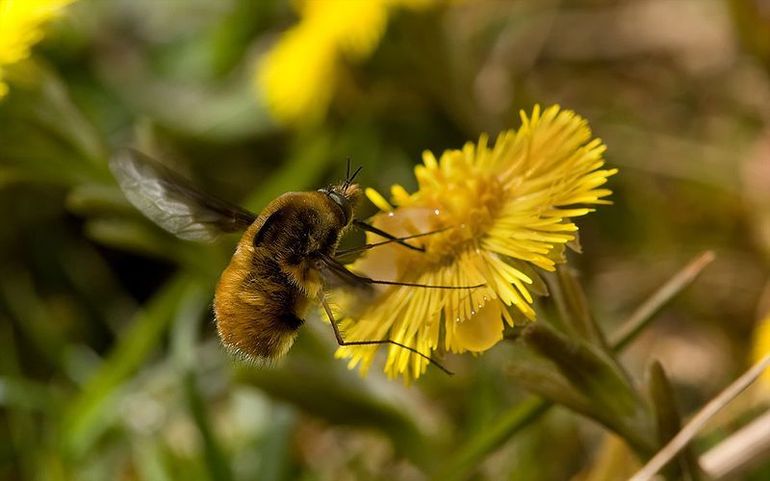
<point>276,462</point>
<point>745,449</point>
<point>21,438</point>
<point>216,460</point>
<point>669,423</point>
<point>81,421</point>
<point>644,314</point>
<point>148,458</point>
<point>683,438</point>
<point>30,314</point>
<point>511,421</point>
<point>184,339</point>
<point>464,460</point>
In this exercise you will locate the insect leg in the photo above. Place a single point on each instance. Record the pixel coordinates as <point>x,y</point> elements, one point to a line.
<point>374,230</point>
<point>343,342</point>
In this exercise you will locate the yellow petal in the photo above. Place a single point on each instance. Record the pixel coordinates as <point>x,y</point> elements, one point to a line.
<point>760,349</point>
<point>482,331</point>
<point>378,200</point>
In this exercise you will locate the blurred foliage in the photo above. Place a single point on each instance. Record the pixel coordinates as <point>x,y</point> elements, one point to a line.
<point>109,364</point>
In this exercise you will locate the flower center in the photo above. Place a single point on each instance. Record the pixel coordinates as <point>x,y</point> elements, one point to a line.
<point>467,204</point>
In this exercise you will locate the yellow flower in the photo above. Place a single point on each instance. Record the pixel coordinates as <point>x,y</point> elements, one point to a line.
<point>760,349</point>
<point>21,23</point>
<point>506,209</point>
<point>298,75</point>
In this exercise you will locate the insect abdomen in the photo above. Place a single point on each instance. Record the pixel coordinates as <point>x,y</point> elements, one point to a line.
<point>256,307</point>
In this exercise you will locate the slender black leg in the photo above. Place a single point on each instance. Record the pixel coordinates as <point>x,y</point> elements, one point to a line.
<point>343,342</point>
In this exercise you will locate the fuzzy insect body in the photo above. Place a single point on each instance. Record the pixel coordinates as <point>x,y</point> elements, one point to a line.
<point>264,293</point>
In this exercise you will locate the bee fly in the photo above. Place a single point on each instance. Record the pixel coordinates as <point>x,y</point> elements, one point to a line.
<point>284,259</point>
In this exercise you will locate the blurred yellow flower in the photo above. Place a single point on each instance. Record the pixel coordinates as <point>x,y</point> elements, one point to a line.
<point>21,23</point>
<point>297,76</point>
<point>760,349</point>
<point>505,209</point>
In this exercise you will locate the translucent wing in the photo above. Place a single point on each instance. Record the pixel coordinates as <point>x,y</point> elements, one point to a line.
<point>174,203</point>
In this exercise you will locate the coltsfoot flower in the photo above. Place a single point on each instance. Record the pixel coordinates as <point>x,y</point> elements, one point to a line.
<point>21,23</point>
<point>506,210</point>
<point>298,75</point>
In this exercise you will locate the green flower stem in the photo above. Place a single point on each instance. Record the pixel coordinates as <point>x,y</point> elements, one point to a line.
<point>598,383</point>
<point>464,460</point>
<point>573,306</point>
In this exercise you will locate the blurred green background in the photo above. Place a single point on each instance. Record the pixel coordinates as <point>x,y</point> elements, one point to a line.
<point>109,363</point>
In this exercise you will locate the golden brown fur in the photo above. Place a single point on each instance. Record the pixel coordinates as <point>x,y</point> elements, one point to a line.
<point>264,292</point>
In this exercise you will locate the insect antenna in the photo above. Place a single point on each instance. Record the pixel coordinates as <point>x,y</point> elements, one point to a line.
<point>347,171</point>
<point>353,177</point>
<point>349,178</point>
<point>343,342</point>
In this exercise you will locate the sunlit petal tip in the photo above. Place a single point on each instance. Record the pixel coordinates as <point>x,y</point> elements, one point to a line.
<point>21,27</point>
<point>399,194</point>
<point>378,200</point>
<point>760,348</point>
<point>297,77</point>
<point>483,141</point>
<point>429,160</point>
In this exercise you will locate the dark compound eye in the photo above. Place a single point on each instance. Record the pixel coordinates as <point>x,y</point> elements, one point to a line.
<point>343,202</point>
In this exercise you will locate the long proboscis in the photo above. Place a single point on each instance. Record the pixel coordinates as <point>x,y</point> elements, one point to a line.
<point>354,250</point>
<point>343,272</point>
